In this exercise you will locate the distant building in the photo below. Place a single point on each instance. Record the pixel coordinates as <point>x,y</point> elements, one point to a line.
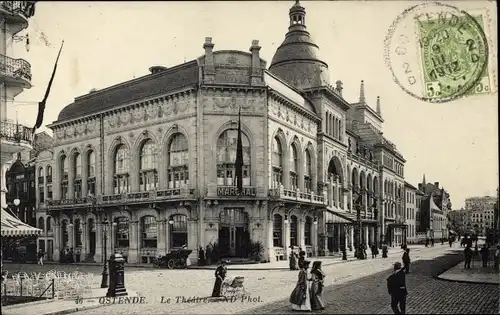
<point>411,211</point>
<point>434,209</point>
<point>458,220</point>
<point>480,211</point>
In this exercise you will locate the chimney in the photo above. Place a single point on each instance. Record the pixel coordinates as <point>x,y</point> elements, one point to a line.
<point>209,68</point>
<point>256,68</point>
<point>436,184</point>
<point>339,87</point>
<point>362,92</point>
<point>379,111</point>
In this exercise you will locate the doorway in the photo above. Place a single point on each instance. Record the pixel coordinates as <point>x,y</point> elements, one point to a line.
<point>233,233</point>
<point>92,237</point>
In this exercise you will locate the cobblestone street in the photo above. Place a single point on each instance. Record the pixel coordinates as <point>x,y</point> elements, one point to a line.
<point>268,288</point>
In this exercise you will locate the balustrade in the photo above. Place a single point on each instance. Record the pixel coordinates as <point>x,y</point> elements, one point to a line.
<point>296,195</point>
<point>15,132</point>
<point>15,68</point>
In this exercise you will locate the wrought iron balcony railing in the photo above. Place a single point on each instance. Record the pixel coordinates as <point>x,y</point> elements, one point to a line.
<point>296,195</point>
<point>15,132</point>
<point>26,8</point>
<point>15,68</point>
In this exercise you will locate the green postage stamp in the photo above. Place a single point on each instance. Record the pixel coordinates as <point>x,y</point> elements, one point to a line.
<point>454,56</point>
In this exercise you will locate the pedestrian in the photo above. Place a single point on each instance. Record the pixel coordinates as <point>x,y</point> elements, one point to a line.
<point>374,250</point>
<point>317,285</point>
<point>426,242</point>
<point>220,275</point>
<point>496,258</point>
<point>300,297</point>
<point>293,260</point>
<point>450,241</point>
<point>468,256</point>
<point>396,285</point>
<point>40,256</point>
<point>365,255</point>
<point>385,250</point>
<point>485,252</point>
<point>432,241</point>
<point>442,240</point>
<point>302,258</point>
<point>201,257</point>
<point>406,260</point>
<point>476,250</point>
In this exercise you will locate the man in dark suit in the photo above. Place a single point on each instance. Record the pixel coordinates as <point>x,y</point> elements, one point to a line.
<point>396,285</point>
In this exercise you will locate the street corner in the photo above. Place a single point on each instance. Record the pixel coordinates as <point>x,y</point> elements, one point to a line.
<point>475,275</point>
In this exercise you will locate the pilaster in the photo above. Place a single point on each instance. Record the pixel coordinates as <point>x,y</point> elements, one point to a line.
<point>133,255</point>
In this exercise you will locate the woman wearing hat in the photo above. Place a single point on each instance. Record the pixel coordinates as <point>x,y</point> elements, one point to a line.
<point>317,285</point>
<point>300,297</point>
<point>220,275</point>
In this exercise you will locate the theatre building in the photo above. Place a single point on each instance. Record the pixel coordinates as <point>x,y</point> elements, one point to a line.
<point>155,156</point>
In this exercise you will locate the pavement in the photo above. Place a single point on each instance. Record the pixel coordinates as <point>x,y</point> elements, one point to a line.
<point>187,291</point>
<point>476,274</point>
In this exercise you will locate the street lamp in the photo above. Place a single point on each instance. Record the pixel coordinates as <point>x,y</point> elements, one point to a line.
<point>17,202</point>
<point>105,274</point>
<point>358,250</point>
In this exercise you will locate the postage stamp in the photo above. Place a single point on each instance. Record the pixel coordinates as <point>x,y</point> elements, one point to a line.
<point>438,53</point>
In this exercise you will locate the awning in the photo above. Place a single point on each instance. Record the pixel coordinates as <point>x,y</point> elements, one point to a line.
<point>13,227</point>
<point>337,217</point>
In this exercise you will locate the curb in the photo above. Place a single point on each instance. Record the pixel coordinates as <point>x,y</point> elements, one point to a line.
<point>466,281</point>
<point>76,309</point>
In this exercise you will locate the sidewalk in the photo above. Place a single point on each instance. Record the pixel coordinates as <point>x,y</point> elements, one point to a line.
<point>59,307</point>
<point>476,274</point>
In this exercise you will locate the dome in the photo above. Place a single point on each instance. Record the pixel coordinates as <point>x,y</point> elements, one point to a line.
<point>296,60</point>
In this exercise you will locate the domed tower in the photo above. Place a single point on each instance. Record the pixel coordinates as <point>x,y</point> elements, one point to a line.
<point>296,60</point>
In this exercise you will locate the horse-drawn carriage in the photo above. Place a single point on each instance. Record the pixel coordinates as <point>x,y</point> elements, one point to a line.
<point>174,259</point>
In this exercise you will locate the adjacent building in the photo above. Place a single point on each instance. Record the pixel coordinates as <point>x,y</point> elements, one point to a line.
<point>481,213</point>
<point>151,161</point>
<point>434,208</point>
<point>411,212</point>
<point>458,220</point>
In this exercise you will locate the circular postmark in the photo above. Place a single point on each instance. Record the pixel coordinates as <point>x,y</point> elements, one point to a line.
<point>438,53</point>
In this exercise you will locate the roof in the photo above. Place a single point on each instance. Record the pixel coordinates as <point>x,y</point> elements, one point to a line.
<point>151,85</point>
<point>13,227</point>
<point>410,185</point>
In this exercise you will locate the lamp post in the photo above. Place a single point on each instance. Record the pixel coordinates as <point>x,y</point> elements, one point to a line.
<point>105,274</point>
<point>17,202</point>
<point>358,250</point>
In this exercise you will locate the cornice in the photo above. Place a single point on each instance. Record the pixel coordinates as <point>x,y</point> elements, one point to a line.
<point>132,105</point>
<point>285,100</point>
<point>331,95</point>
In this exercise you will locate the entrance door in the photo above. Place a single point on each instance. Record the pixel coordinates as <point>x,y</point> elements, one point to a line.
<point>233,232</point>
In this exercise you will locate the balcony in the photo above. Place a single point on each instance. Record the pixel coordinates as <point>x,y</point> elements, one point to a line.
<point>15,71</point>
<point>296,195</point>
<point>17,13</point>
<point>14,138</point>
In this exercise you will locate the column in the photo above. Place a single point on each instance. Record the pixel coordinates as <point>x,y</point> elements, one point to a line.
<point>3,186</point>
<point>57,240</point>
<point>109,238</point>
<point>133,254</point>
<point>167,236</point>
<point>112,238</point>
<point>270,240</point>
<point>367,236</point>
<point>346,236</point>
<point>85,240</point>
<point>330,192</point>
<point>302,234</point>
<point>98,246</point>
<point>351,235</point>
<point>192,235</point>
<point>71,235</point>
<point>286,243</point>
<point>160,246</point>
<point>314,241</point>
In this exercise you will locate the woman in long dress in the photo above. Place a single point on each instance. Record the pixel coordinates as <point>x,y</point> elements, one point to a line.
<point>300,297</point>
<point>317,285</point>
<point>293,261</point>
<point>220,275</point>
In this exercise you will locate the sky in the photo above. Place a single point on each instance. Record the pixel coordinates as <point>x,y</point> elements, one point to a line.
<point>105,43</point>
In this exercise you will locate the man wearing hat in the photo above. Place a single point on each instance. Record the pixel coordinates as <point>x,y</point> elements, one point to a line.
<point>396,285</point>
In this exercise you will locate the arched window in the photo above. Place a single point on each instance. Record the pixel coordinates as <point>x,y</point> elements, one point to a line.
<point>78,233</point>
<point>178,162</point>
<point>277,231</point>
<point>77,172</point>
<point>149,232</point>
<point>293,231</point>
<point>49,224</point>
<point>178,230</point>
<point>65,234</point>
<point>294,168</point>
<point>307,171</point>
<point>41,224</point>
<point>49,174</point>
<point>277,163</point>
<point>64,177</point>
<point>120,161</point>
<point>41,186</point>
<point>148,176</point>
<point>226,157</point>
<point>91,172</point>
<point>122,232</point>
<point>307,231</point>
<point>40,176</point>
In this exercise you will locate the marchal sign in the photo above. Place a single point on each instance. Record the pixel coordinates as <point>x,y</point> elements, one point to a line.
<point>234,191</point>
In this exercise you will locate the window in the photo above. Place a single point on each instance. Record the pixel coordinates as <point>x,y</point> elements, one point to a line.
<point>293,231</point>
<point>277,163</point>
<point>78,233</point>
<point>49,224</point>
<point>307,231</point>
<point>49,174</point>
<point>49,192</point>
<point>41,190</point>
<point>277,231</point>
<point>64,177</point>
<point>226,157</point>
<point>148,177</point>
<point>307,171</point>
<point>294,168</point>
<point>41,224</point>
<point>149,232</point>
<point>178,230</point>
<point>77,171</point>
<point>122,232</point>
<point>91,172</point>
<point>121,183</point>
<point>178,162</point>
<point>40,176</point>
